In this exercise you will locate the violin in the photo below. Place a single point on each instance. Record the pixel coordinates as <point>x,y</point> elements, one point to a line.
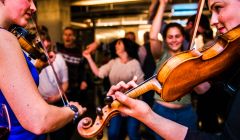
<point>170,82</point>
<point>31,45</point>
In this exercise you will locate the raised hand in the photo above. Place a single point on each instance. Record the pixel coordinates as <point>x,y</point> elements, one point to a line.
<point>163,2</point>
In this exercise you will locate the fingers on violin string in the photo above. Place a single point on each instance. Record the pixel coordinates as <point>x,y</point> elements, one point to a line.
<point>119,87</point>
<point>123,87</point>
<point>132,84</point>
<point>112,90</point>
<point>135,78</point>
<point>122,84</point>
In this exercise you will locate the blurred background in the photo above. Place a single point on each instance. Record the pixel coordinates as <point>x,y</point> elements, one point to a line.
<point>107,19</point>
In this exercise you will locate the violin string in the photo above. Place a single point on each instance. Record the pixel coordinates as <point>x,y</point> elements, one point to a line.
<point>60,90</point>
<point>196,24</point>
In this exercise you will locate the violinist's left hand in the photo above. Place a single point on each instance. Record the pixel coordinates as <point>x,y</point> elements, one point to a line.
<point>132,107</point>
<point>122,87</point>
<point>52,56</point>
<point>39,64</point>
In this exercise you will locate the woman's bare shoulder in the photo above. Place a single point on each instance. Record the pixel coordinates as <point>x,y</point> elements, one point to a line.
<point>8,40</point>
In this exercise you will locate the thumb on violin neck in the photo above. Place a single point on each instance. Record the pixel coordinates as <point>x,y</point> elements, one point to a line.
<point>125,100</point>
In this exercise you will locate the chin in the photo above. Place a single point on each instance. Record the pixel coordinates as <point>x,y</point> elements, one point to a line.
<point>175,48</point>
<point>23,23</point>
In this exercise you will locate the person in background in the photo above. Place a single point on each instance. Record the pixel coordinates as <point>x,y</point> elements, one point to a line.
<point>31,117</point>
<point>225,19</point>
<point>146,60</point>
<point>125,60</point>
<point>148,67</point>
<point>78,82</point>
<point>131,36</point>
<point>204,28</point>
<point>204,32</point>
<point>71,53</point>
<point>48,83</point>
<point>147,64</point>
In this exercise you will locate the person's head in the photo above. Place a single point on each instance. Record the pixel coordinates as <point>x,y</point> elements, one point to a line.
<point>45,38</point>
<point>146,37</point>
<point>69,37</point>
<point>43,28</point>
<point>16,12</point>
<point>47,43</point>
<point>204,28</point>
<point>225,15</point>
<point>131,36</point>
<point>124,45</point>
<point>43,33</point>
<point>204,23</point>
<point>173,36</point>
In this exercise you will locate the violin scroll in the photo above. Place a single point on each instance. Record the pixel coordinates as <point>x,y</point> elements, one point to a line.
<point>88,129</point>
<point>86,123</point>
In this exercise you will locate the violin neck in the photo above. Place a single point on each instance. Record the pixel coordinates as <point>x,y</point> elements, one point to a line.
<point>150,84</point>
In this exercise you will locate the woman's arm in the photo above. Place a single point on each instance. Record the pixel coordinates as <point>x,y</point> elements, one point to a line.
<point>87,54</point>
<point>91,63</point>
<point>156,45</point>
<point>21,92</point>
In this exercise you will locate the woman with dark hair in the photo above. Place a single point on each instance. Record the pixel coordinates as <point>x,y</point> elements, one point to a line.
<point>131,50</point>
<point>123,66</point>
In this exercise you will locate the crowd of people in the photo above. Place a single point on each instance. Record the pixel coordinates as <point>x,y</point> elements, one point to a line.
<point>52,100</point>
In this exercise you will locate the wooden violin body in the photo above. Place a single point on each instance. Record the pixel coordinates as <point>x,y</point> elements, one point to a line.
<point>182,72</point>
<point>176,77</point>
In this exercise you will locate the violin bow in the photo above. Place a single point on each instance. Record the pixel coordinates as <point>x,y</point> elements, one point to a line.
<point>196,23</point>
<point>60,89</point>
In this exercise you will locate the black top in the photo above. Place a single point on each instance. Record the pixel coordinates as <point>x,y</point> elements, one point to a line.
<point>231,130</point>
<point>75,64</point>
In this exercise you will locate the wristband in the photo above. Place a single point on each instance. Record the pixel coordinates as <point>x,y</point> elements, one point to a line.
<point>75,110</point>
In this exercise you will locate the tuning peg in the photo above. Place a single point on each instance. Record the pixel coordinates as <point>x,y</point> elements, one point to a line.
<point>108,100</point>
<point>99,112</point>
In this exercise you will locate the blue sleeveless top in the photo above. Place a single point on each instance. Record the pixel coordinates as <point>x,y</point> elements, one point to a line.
<point>17,131</point>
